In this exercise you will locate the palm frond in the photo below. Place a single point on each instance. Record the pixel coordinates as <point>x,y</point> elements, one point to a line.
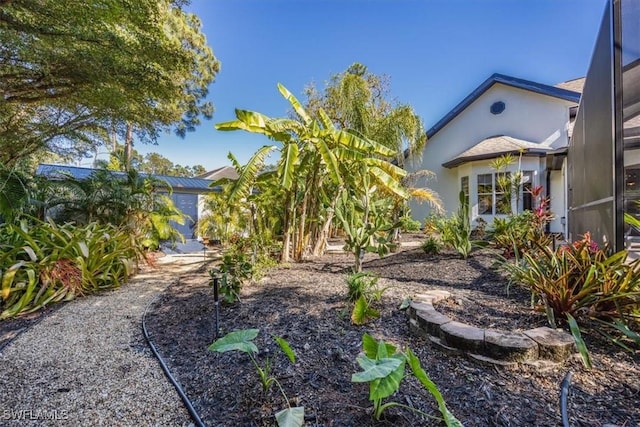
<point>426,195</point>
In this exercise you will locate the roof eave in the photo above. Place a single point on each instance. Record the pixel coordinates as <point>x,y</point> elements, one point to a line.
<point>453,163</point>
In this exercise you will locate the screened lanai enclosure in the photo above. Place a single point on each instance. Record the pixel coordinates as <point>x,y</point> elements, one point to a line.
<point>604,153</point>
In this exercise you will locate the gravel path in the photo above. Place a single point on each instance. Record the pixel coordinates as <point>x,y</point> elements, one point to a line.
<point>88,363</point>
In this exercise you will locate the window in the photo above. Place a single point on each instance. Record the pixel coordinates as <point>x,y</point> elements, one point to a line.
<point>485,194</point>
<point>464,187</point>
<point>495,192</point>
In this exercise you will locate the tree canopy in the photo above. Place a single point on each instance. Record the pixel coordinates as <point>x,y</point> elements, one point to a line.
<point>151,163</point>
<point>74,73</point>
<point>360,101</point>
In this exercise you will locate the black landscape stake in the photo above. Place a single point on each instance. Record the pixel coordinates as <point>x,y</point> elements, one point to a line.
<point>214,282</point>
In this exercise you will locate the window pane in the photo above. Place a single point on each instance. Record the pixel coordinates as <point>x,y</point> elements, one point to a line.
<point>485,204</point>
<point>464,187</point>
<point>485,184</point>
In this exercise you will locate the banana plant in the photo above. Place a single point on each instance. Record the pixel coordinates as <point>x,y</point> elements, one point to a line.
<point>313,154</point>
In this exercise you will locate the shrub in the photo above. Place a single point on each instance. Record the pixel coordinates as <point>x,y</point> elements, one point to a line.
<point>431,223</point>
<point>580,280</point>
<point>45,263</point>
<point>236,270</point>
<point>523,232</point>
<point>431,246</point>
<point>511,234</point>
<point>409,224</point>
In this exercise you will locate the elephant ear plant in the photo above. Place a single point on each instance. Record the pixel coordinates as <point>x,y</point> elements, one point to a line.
<point>242,340</point>
<point>383,367</point>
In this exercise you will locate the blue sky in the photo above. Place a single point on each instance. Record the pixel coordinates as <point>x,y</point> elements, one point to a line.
<point>434,51</point>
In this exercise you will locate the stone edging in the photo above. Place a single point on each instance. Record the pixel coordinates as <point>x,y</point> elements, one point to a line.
<point>491,345</point>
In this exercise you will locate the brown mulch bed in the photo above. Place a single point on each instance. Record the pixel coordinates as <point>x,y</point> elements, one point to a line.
<point>305,304</point>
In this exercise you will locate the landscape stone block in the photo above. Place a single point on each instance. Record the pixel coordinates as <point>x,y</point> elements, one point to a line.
<point>431,321</point>
<point>416,329</point>
<point>420,305</point>
<point>510,346</point>
<point>465,337</point>
<point>553,344</point>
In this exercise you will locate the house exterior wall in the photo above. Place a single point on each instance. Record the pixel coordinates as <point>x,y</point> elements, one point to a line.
<point>528,116</point>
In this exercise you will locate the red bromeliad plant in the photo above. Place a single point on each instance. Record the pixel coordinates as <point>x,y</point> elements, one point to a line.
<point>580,279</point>
<point>542,214</point>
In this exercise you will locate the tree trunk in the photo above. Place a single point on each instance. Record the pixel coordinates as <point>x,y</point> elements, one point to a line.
<point>357,265</point>
<point>286,227</point>
<point>300,240</point>
<point>128,147</point>
<point>321,243</point>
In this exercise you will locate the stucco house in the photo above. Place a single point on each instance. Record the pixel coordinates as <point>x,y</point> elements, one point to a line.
<point>505,114</point>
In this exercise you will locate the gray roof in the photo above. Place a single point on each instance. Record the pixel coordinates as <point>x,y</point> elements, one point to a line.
<point>496,146</point>
<point>223,172</point>
<point>543,89</point>
<point>575,85</point>
<point>178,184</point>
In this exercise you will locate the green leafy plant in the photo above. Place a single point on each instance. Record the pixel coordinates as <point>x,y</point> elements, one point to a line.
<point>364,291</point>
<point>456,231</point>
<point>383,367</point>
<point>242,341</point>
<point>366,226</point>
<point>236,269</point>
<point>409,224</point>
<point>363,312</point>
<point>43,263</point>
<point>360,284</point>
<point>518,233</point>
<point>580,344</point>
<point>431,246</point>
<point>510,234</point>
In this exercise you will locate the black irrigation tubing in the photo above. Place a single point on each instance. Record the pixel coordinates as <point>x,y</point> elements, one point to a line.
<point>187,402</point>
<point>564,393</point>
